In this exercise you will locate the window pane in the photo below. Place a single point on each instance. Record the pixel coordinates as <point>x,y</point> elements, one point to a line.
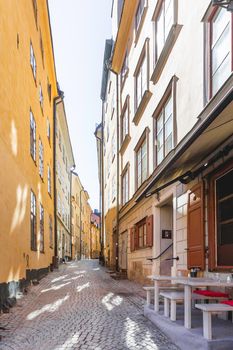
<point>168,109</point>
<point>160,140</point>
<point>224,185</point>
<point>219,23</point>
<point>144,168</point>
<point>168,144</point>
<point>225,234</point>
<point>160,156</point>
<point>225,209</point>
<point>221,75</point>
<point>144,76</point>
<point>139,87</point>
<point>160,33</point>
<point>221,49</point>
<point>168,16</point>
<point>160,123</point>
<point>168,127</point>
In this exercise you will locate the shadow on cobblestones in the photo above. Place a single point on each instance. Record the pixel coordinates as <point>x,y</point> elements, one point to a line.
<point>81,307</point>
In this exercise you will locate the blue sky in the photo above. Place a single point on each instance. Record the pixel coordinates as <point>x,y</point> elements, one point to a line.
<point>79,31</point>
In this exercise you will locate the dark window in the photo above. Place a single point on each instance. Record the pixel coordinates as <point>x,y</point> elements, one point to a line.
<point>224,208</point>
<point>42,48</point>
<point>51,231</point>
<point>49,181</point>
<point>33,222</point>
<point>35,10</point>
<point>41,159</point>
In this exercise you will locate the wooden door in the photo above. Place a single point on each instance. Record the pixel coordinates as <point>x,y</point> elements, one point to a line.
<point>195,234</point>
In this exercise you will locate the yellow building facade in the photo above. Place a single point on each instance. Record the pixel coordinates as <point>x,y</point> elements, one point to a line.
<point>28,88</point>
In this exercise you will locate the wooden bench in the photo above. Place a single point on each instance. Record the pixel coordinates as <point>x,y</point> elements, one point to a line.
<point>173,297</point>
<point>207,310</point>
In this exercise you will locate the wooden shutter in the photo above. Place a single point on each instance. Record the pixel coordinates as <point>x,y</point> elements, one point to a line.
<point>195,234</point>
<point>136,237</point>
<point>149,231</point>
<point>132,239</point>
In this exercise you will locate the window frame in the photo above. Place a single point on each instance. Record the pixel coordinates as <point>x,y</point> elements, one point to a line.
<point>32,136</point>
<point>49,181</point>
<point>143,139</point>
<point>125,111</point>
<point>33,61</point>
<point>211,15</point>
<point>212,236</point>
<point>125,173</point>
<point>41,158</point>
<point>169,93</point>
<point>41,217</point>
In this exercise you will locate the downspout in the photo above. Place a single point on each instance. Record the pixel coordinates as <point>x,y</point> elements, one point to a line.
<point>118,172</point>
<point>55,257</point>
<point>102,185</point>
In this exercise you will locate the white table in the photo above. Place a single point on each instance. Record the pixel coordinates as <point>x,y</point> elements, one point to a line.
<point>189,283</point>
<point>157,279</point>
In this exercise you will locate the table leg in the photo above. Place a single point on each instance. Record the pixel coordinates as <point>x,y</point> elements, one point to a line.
<point>156,296</point>
<point>187,306</point>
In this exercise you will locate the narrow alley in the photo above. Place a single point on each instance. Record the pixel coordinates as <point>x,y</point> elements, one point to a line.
<point>81,307</point>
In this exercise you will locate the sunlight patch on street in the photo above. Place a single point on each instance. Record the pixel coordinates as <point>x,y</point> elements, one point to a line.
<point>109,301</point>
<point>80,288</point>
<point>47,308</point>
<point>55,287</point>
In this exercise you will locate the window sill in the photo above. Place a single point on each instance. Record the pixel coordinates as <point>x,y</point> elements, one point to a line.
<point>171,39</point>
<point>125,144</point>
<point>142,106</point>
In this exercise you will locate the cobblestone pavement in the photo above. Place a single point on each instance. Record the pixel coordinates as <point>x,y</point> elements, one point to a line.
<point>81,307</point>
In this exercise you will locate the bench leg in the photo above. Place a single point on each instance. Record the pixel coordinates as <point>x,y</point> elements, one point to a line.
<point>166,307</point>
<point>148,297</point>
<point>173,310</point>
<point>207,325</point>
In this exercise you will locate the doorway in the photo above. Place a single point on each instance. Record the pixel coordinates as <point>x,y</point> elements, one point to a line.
<point>166,238</point>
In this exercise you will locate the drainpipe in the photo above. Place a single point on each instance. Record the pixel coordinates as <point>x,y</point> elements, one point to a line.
<point>118,172</point>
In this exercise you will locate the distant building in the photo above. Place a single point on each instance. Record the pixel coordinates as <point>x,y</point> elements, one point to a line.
<point>64,164</point>
<point>95,235</point>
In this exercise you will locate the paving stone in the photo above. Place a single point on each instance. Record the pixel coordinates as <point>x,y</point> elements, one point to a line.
<point>93,312</point>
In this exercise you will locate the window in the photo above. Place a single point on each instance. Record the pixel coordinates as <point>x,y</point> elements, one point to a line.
<point>163,23</point>
<point>142,234</point>
<point>41,159</point>
<point>49,180</point>
<point>33,61</point>
<point>139,14</point>
<point>224,218</point>
<point>48,130</point>
<point>35,10</point>
<point>113,187</point>
<point>41,97</point>
<point>141,81</point>
<point>113,148</point>
<point>220,49</point>
<point>42,48</point>
<point>50,231</point>
<point>125,120</point>
<point>124,69</point>
<point>41,228</point>
<point>49,89</point>
<point>164,131</point>
<point>32,136</point>
<point>33,221</point>
<point>125,187</point>
<point>141,162</point>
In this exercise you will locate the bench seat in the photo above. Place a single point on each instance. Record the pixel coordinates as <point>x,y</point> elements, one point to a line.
<point>150,289</point>
<point>207,310</point>
<point>173,297</point>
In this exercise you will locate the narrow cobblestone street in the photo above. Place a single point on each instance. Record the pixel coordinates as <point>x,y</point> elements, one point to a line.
<point>80,307</point>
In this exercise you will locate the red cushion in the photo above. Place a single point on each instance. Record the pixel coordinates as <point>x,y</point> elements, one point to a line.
<point>228,302</point>
<point>211,293</point>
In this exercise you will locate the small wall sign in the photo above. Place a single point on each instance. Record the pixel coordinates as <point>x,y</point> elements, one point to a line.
<point>167,234</point>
